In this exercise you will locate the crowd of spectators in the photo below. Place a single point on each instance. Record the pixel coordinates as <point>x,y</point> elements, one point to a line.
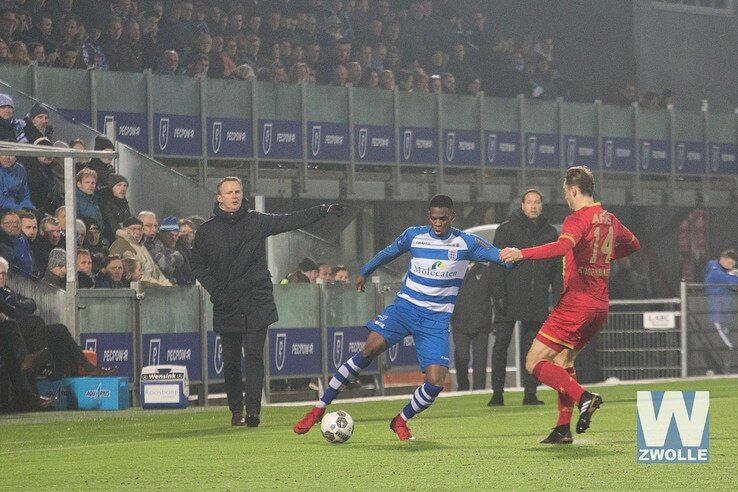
<point>648,100</point>
<point>416,45</point>
<point>115,246</point>
<point>310,272</point>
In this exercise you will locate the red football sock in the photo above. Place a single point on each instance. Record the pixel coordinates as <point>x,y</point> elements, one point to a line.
<point>557,378</point>
<point>566,404</point>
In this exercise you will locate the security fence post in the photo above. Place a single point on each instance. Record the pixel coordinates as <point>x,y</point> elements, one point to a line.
<point>684,324</point>
<point>204,366</point>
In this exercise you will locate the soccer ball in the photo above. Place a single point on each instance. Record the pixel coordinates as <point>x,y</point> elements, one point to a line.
<point>337,427</point>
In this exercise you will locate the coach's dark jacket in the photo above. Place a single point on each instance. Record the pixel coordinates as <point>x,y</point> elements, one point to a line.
<point>229,260</point>
<point>522,293</point>
<point>473,310</point>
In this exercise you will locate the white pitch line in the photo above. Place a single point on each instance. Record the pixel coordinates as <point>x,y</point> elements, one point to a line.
<point>452,394</point>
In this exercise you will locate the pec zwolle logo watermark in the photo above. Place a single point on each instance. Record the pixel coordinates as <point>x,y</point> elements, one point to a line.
<point>673,426</point>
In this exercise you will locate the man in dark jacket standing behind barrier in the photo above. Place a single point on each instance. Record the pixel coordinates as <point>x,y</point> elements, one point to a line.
<point>522,293</point>
<point>229,260</point>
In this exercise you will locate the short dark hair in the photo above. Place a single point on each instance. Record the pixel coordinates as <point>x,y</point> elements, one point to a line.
<point>441,201</point>
<point>307,265</point>
<point>339,268</point>
<point>109,259</point>
<point>582,178</point>
<point>25,214</point>
<point>729,253</point>
<point>531,190</point>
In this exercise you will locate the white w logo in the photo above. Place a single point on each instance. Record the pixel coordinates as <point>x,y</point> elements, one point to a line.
<point>656,427</point>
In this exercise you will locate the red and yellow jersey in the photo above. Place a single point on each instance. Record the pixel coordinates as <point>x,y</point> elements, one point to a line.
<point>590,239</point>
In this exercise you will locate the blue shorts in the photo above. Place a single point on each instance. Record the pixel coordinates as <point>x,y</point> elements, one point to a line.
<point>430,331</point>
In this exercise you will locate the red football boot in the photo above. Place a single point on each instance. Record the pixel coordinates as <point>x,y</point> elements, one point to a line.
<point>399,427</point>
<point>309,420</point>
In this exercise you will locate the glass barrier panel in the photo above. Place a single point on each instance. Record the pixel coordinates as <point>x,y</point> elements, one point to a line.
<point>500,114</point>
<point>373,106</point>
<point>229,98</point>
<point>617,121</point>
<point>460,112</point>
<point>687,126</point>
<point>722,128</point>
<point>120,91</point>
<point>344,306</point>
<point>418,109</point>
<point>653,123</point>
<point>170,309</point>
<point>578,119</point>
<point>540,116</point>
<point>297,305</point>
<point>325,103</point>
<point>105,310</point>
<point>176,95</point>
<point>54,88</point>
<point>17,76</point>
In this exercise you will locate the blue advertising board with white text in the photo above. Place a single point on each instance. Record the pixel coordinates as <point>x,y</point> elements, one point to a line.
<point>177,135</point>
<point>655,156</point>
<point>130,128</point>
<point>229,137</point>
<point>181,349</point>
<point>723,158</point>
<point>343,343</point>
<point>328,141</point>
<point>689,157</point>
<point>402,353</point>
<point>503,149</point>
<point>461,147</point>
<point>541,150</point>
<point>580,150</point>
<point>112,349</point>
<point>280,139</point>
<point>419,145</point>
<point>618,154</point>
<point>294,351</point>
<point>374,143</point>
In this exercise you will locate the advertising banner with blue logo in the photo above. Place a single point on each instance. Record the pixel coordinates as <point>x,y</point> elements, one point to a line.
<point>655,156</point>
<point>618,154</point>
<point>280,139</point>
<point>461,147</point>
<point>215,357</point>
<point>689,157</point>
<point>229,137</point>
<point>673,426</point>
<point>180,349</point>
<point>419,145</point>
<point>580,150</point>
<point>541,150</point>
<point>130,128</point>
<point>403,353</point>
<point>112,349</point>
<point>723,158</point>
<point>77,115</point>
<point>374,143</point>
<point>503,149</point>
<point>294,351</point>
<point>328,141</point>
<point>177,135</point>
<point>343,343</point>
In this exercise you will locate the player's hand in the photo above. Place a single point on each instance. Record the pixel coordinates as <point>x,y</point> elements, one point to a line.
<point>509,255</point>
<point>360,281</point>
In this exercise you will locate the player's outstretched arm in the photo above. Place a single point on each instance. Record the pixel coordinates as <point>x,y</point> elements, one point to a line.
<point>550,250</point>
<point>399,246</point>
<point>481,250</point>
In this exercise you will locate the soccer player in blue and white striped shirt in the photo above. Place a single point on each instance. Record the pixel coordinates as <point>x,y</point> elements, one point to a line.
<point>440,255</point>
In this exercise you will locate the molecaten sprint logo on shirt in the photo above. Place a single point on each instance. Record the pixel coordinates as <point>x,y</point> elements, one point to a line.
<point>673,427</point>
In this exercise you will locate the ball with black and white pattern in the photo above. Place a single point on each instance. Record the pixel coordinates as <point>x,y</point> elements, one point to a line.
<point>337,427</point>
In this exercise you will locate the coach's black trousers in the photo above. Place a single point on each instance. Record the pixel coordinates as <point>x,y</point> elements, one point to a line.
<point>253,350</point>
<point>476,343</point>
<point>503,334</point>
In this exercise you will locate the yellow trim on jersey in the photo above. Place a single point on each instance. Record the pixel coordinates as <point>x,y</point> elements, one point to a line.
<point>556,340</point>
<point>569,237</point>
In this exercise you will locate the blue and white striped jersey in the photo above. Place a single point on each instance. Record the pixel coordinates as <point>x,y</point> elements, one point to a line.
<point>437,266</point>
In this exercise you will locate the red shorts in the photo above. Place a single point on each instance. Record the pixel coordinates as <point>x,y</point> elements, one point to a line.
<point>570,327</point>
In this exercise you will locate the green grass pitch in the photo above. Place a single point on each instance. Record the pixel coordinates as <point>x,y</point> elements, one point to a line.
<point>461,444</point>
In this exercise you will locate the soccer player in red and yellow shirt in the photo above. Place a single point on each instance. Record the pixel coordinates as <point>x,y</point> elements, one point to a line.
<point>590,238</point>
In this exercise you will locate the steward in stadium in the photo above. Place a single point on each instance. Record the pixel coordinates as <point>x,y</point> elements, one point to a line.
<point>229,260</point>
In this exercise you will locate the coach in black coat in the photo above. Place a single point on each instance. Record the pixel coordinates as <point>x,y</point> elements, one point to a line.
<point>522,293</point>
<point>229,260</point>
<point>471,324</point>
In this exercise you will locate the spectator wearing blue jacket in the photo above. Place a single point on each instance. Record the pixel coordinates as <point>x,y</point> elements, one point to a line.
<point>722,284</point>
<point>11,128</point>
<point>14,191</point>
<point>88,206</point>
